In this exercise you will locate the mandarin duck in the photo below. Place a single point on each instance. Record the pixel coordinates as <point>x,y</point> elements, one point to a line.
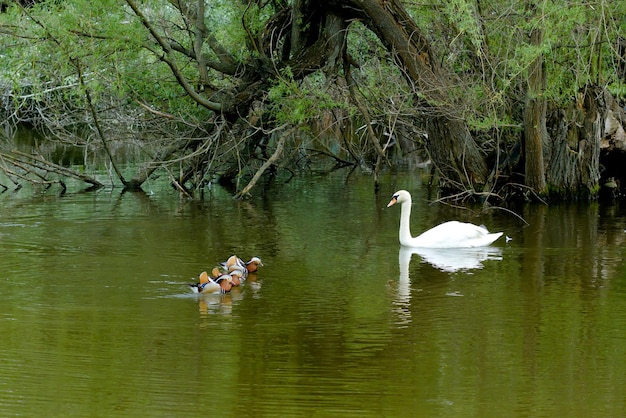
<point>207,284</point>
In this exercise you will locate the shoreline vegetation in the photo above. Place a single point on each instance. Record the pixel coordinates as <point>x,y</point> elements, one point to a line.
<point>504,102</point>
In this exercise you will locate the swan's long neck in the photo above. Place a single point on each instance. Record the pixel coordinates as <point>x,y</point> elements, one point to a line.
<point>405,223</point>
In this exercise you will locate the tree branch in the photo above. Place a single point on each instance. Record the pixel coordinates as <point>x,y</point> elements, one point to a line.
<point>17,157</point>
<point>167,58</point>
<point>265,166</point>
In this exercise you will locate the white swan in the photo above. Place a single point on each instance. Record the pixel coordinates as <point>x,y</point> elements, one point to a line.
<point>452,234</point>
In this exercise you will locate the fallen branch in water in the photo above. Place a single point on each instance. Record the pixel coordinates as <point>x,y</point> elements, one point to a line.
<point>265,166</point>
<point>29,164</point>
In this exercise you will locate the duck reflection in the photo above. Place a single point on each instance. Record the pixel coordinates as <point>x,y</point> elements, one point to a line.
<point>215,304</point>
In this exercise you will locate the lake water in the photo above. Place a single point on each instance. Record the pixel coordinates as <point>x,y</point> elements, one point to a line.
<point>97,319</point>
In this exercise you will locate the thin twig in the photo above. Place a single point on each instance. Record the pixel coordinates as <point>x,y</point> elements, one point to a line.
<point>509,211</point>
<point>154,111</point>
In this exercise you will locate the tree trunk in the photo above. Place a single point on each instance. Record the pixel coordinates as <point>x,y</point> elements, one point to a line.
<point>574,169</point>
<point>458,159</point>
<point>450,144</point>
<point>535,132</point>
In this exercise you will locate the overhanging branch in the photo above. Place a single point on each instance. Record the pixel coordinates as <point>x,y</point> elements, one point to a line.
<point>167,57</point>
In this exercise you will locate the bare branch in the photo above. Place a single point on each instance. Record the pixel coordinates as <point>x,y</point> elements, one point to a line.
<point>23,161</point>
<point>265,166</point>
<point>169,60</point>
<point>154,111</point>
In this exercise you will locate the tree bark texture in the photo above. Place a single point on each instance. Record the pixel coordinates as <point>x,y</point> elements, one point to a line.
<point>535,132</point>
<point>574,169</point>
<point>458,159</point>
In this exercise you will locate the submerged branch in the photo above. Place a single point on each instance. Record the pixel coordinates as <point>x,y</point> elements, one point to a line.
<point>29,163</point>
<point>279,149</point>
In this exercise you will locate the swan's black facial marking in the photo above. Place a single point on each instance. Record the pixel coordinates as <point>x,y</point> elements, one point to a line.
<point>393,201</point>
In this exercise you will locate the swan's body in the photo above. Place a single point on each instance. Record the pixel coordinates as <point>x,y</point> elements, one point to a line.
<point>452,234</point>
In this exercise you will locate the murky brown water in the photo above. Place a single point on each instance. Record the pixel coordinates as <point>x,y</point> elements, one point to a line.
<point>96,318</point>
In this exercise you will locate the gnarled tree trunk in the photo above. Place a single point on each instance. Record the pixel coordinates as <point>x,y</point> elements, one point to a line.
<point>450,144</point>
<point>455,153</point>
<point>574,169</point>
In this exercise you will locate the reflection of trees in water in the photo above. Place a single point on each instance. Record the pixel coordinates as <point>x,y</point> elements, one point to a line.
<point>582,240</point>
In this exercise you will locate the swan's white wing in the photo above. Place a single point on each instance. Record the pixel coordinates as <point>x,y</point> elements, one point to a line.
<point>455,234</point>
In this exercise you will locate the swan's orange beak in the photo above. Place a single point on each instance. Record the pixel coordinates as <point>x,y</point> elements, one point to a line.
<point>393,201</point>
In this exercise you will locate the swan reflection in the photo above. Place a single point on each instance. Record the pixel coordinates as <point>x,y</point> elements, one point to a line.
<point>449,259</point>
<point>444,259</point>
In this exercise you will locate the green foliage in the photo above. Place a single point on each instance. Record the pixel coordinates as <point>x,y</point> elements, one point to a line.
<point>486,44</point>
<point>297,103</point>
<point>489,121</point>
<point>463,14</point>
<point>378,78</point>
<point>57,49</point>
<point>96,40</point>
<point>618,90</point>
